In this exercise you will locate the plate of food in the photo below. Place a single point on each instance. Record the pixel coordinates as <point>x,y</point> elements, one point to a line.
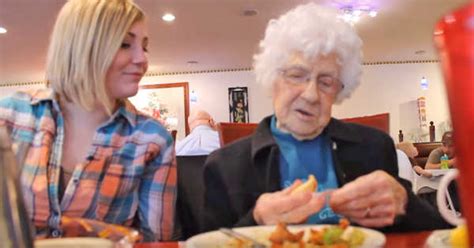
<point>74,243</point>
<point>81,232</point>
<point>281,235</point>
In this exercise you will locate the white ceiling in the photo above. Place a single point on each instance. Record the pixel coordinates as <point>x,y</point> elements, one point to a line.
<point>216,34</point>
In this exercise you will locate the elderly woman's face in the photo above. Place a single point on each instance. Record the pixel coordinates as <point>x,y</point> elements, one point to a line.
<point>303,94</point>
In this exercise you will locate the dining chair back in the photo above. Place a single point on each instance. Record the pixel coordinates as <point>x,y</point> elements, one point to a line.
<point>379,121</point>
<point>405,169</point>
<point>190,200</point>
<point>229,132</point>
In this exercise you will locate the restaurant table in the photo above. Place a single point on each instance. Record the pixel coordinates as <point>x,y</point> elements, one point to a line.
<point>411,240</point>
<point>424,184</point>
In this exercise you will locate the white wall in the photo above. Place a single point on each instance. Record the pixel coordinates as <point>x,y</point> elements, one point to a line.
<point>212,92</point>
<point>391,88</point>
<point>394,89</point>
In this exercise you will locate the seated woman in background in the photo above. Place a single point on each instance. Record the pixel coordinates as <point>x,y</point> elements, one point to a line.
<point>410,150</point>
<point>89,152</point>
<point>309,60</point>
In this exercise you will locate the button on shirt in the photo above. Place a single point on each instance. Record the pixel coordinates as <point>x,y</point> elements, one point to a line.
<point>201,141</point>
<point>129,174</point>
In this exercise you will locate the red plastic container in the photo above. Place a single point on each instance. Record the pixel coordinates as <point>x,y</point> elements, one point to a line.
<point>454,38</point>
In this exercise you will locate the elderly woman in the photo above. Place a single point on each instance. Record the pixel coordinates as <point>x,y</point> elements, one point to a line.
<point>310,59</point>
<point>89,152</point>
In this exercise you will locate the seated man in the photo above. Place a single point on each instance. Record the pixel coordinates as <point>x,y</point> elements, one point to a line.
<point>309,60</point>
<point>434,162</point>
<point>434,159</point>
<point>203,138</point>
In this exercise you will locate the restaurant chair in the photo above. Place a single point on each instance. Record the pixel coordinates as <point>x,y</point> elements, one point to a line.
<point>405,169</point>
<point>379,121</point>
<point>190,200</point>
<point>229,132</point>
<point>174,132</point>
<point>424,185</point>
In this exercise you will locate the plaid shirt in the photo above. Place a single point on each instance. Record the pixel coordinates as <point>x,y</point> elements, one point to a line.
<point>128,177</point>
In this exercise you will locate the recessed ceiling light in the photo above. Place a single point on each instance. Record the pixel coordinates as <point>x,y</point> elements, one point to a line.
<point>420,52</point>
<point>249,12</point>
<point>168,17</point>
<point>3,30</point>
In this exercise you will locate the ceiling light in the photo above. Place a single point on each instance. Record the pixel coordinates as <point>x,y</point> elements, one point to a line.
<point>353,14</point>
<point>250,12</point>
<point>424,83</point>
<point>168,17</point>
<point>3,30</point>
<point>420,52</point>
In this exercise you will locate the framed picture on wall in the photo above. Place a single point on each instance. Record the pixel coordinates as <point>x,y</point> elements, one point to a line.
<point>168,103</point>
<point>238,105</point>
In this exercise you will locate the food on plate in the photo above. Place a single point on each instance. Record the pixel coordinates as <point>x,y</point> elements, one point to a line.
<point>281,235</point>
<point>238,243</point>
<point>309,186</point>
<point>458,237</point>
<point>329,236</point>
<point>74,243</point>
<point>80,227</point>
<point>341,235</point>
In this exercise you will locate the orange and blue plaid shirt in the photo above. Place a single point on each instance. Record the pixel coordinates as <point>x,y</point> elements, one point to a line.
<point>128,178</point>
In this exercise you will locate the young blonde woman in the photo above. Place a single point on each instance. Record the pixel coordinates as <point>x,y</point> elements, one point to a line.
<point>89,153</point>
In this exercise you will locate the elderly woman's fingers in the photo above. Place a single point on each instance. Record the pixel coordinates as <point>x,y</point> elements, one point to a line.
<point>301,213</point>
<point>385,210</point>
<point>358,189</point>
<point>378,216</point>
<point>270,206</point>
<point>380,196</point>
<point>374,196</point>
<point>292,187</point>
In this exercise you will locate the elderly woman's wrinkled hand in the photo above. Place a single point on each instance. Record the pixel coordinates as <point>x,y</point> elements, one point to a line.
<point>372,200</point>
<point>281,206</point>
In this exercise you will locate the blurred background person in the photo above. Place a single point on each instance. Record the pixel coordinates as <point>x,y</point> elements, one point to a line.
<point>309,60</point>
<point>203,138</point>
<point>90,153</point>
<point>410,151</point>
<point>434,159</point>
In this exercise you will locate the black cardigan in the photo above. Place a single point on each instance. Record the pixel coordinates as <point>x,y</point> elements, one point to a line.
<point>237,174</point>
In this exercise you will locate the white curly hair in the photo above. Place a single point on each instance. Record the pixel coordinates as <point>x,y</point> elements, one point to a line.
<point>312,30</point>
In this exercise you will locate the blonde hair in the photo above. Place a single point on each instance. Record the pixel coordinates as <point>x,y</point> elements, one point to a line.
<point>86,36</point>
<point>312,30</point>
